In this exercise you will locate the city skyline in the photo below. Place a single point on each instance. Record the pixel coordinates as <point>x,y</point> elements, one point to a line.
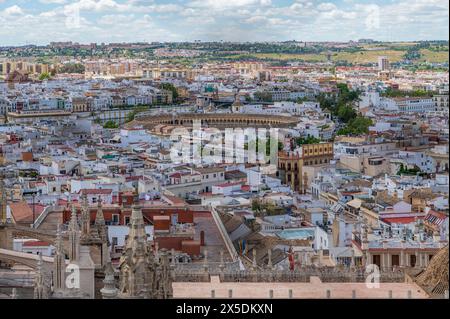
<point>86,21</point>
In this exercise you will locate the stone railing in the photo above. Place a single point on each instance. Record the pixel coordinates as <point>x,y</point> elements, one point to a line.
<point>300,275</point>
<point>42,216</point>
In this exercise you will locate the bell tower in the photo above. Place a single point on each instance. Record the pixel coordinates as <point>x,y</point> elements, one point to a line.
<point>237,104</point>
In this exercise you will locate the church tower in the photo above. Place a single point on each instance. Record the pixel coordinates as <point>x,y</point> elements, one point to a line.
<point>237,104</point>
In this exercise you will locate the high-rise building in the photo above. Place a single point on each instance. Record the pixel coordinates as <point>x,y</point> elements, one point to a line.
<point>383,63</point>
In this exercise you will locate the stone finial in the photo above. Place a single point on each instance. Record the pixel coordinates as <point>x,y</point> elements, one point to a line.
<point>222,263</point>
<point>99,217</point>
<point>269,262</point>
<point>14,294</point>
<point>73,225</point>
<point>74,236</point>
<point>205,261</point>
<point>58,261</point>
<point>172,254</point>
<point>58,240</point>
<point>156,250</point>
<point>254,264</point>
<point>40,291</point>
<point>109,290</point>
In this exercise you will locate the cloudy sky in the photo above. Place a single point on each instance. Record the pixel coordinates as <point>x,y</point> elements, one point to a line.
<point>85,21</point>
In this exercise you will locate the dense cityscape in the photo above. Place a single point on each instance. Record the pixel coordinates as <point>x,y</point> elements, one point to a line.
<point>195,170</point>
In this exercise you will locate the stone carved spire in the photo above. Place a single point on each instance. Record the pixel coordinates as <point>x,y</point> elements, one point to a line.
<point>134,261</point>
<point>100,220</point>
<point>40,284</point>
<point>205,261</point>
<point>59,262</point>
<point>74,236</point>
<point>14,294</point>
<point>109,290</point>
<point>144,273</point>
<point>98,232</point>
<point>269,262</point>
<point>163,277</point>
<point>3,201</point>
<point>85,218</point>
<point>254,264</point>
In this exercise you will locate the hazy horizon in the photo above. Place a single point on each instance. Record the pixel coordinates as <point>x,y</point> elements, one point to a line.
<point>217,41</point>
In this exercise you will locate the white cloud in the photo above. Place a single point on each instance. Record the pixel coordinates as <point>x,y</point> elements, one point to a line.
<point>252,20</point>
<point>53,1</point>
<point>13,10</point>
<point>223,4</point>
<point>326,6</point>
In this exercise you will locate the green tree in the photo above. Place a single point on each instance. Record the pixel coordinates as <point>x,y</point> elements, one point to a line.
<point>263,96</point>
<point>357,126</point>
<point>408,171</point>
<point>306,140</point>
<point>170,87</point>
<point>256,205</point>
<point>345,113</point>
<point>44,76</point>
<point>71,68</point>
<point>110,125</point>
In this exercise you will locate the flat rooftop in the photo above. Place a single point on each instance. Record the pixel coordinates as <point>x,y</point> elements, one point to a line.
<point>315,289</point>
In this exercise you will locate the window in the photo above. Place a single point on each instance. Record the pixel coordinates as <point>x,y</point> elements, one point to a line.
<point>126,220</point>
<point>395,260</point>
<point>412,260</point>
<point>115,219</point>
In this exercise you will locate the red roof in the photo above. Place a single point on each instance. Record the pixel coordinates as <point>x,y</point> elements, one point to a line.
<point>33,243</point>
<point>133,178</point>
<point>22,212</point>
<point>174,200</point>
<point>399,220</point>
<point>95,191</point>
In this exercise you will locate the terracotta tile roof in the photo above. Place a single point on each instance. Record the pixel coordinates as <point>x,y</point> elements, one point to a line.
<point>21,212</point>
